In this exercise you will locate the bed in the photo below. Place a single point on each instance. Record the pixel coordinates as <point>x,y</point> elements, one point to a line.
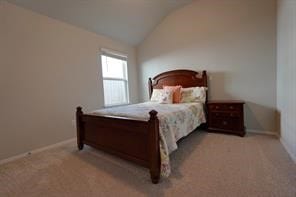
<point>135,136</point>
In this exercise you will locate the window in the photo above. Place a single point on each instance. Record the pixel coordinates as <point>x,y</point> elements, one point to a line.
<point>115,79</point>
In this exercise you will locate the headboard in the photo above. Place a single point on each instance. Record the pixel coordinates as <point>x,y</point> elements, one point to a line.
<point>185,78</point>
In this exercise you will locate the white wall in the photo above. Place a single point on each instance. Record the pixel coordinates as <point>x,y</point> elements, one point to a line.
<point>47,68</point>
<point>286,73</point>
<point>234,40</point>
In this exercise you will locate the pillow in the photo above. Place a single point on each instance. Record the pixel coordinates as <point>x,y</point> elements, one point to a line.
<point>156,95</point>
<point>166,97</point>
<point>193,94</point>
<point>176,92</point>
<point>162,96</point>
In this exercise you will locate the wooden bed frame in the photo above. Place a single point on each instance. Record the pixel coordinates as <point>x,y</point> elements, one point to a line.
<point>130,139</point>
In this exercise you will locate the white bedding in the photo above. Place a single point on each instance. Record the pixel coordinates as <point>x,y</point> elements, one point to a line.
<point>175,122</point>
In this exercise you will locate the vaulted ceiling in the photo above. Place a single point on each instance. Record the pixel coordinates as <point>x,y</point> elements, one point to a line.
<point>129,21</point>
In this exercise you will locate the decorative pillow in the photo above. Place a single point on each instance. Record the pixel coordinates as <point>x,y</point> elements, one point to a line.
<point>194,94</point>
<point>156,95</point>
<point>166,97</point>
<point>176,92</point>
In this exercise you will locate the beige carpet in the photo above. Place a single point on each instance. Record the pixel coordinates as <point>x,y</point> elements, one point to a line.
<point>206,164</point>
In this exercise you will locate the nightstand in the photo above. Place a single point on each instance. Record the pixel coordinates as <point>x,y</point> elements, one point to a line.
<point>226,116</point>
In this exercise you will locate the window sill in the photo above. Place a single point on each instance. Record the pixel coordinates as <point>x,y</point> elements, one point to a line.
<point>116,105</point>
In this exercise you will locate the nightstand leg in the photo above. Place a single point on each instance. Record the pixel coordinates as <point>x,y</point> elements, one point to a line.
<point>242,134</point>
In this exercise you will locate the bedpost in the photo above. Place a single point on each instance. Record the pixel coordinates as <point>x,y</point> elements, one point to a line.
<point>205,82</point>
<point>150,87</point>
<point>79,114</point>
<point>204,77</point>
<point>154,154</point>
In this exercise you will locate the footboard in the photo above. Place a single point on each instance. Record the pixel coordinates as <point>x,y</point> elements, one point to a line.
<point>130,139</point>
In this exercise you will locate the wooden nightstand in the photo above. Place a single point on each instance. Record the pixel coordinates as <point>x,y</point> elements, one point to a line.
<point>226,116</point>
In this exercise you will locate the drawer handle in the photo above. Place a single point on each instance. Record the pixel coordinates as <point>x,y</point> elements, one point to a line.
<point>224,123</point>
<point>231,107</point>
<point>217,107</point>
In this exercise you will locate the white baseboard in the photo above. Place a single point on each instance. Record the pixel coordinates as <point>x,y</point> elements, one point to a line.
<point>36,151</point>
<point>293,157</point>
<point>263,132</point>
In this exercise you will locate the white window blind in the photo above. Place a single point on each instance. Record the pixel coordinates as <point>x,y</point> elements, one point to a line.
<point>115,81</point>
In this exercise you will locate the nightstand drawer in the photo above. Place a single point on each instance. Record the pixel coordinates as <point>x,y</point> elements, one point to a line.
<point>223,123</point>
<point>224,114</point>
<point>224,107</point>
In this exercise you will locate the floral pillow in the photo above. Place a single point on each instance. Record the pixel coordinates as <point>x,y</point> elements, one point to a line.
<point>166,97</point>
<point>176,92</point>
<point>156,95</point>
<point>194,94</point>
<point>162,96</point>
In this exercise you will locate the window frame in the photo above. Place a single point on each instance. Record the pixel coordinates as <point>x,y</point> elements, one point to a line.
<point>120,56</point>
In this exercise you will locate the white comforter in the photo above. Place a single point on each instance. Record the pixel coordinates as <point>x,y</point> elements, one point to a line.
<point>175,122</point>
